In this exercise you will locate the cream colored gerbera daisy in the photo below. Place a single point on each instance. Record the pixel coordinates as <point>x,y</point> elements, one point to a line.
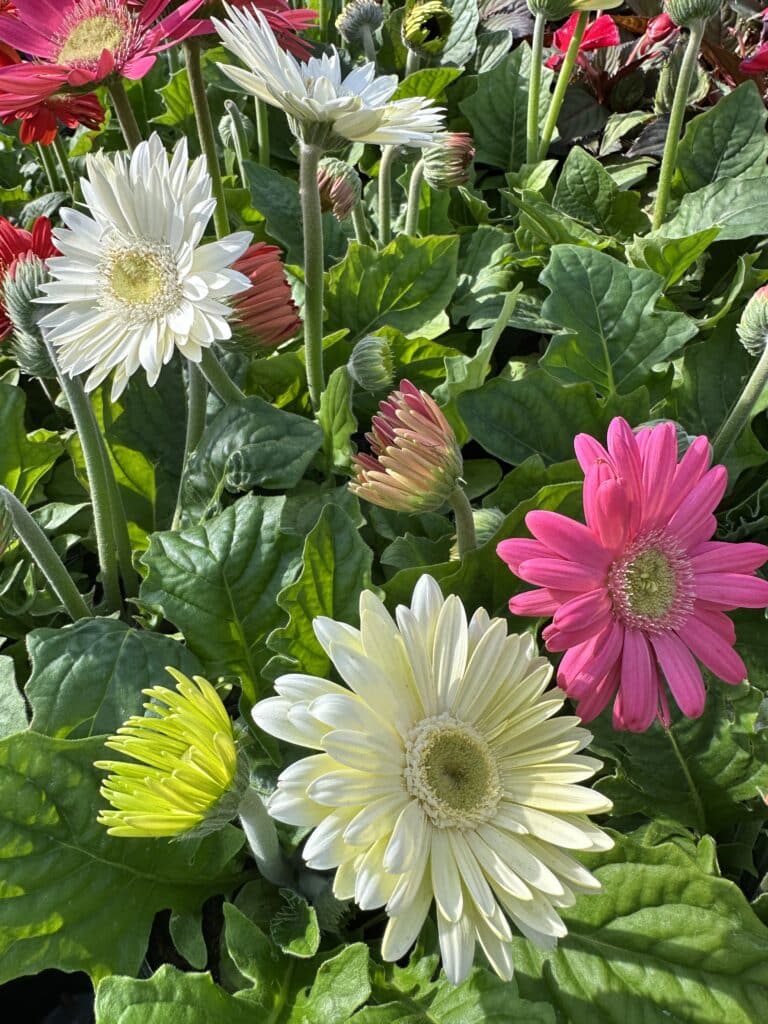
<point>442,775</point>
<point>133,282</point>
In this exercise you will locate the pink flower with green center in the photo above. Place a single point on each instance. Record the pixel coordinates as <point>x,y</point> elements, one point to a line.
<point>639,593</point>
<point>77,43</point>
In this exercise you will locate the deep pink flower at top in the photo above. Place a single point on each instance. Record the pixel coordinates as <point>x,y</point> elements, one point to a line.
<point>639,593</point>
<point>601,33</point>
<point>284,21</point>
<point>757,64</point>
<point>15,244</point>
<point>78,43</point>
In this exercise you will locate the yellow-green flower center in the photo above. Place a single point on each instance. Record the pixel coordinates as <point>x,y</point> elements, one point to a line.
<point>651,585</point>
<point>90,37</point>
<point>141,280</point>
<point>450,770</point>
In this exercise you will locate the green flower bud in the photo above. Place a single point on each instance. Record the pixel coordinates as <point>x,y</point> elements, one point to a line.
<point>20,289</point>
<point>447,163</point>
<point>487,521</point>
<point>371,364</point>
<point>426,27</point>
<point>356,18</point>
<point>752,329</point>
<point>340,187</point>
<point>687,12</point>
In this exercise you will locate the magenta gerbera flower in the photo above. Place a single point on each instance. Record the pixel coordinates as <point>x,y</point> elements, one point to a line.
<point>639,593</point>
<point>78,43</point>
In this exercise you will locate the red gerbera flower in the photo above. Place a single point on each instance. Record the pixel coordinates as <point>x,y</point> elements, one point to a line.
<point>639,593</point>
<point>15,244</point>
<point>79,43</point>
<point>284,21</point>
<point>267,312</point>
<point>601,33</point>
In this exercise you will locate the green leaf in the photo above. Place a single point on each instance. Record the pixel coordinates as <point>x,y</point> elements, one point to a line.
<point>724,142</point>
<point>336,567</point>
<point>341,985</point>
<point>553,227</point>
<point>87,678</point>
<point>253,953</point>
<point>177,101</point>
<point>497,109</point>
<point>615,334</point>
<point>170,996</point>
<point>485,274</point>
<point>337,420</point>
<point>187,933</point>
<point>461,42</point>
<point>218,583</point>
<point>13,713</point>
<point>512,419</point>
<point>430,83</point>
<point>664,941</point>
<point>406,285</point>
<point>73,897</point>
<point>294,927</point>
<point>670,257</point>
<point>586,191</point>
<point>24,458</point>
<point>250,444</point>
<point>737,206</point>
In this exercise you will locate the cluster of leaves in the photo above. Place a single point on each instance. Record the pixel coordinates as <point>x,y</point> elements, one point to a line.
<point>609,318</point>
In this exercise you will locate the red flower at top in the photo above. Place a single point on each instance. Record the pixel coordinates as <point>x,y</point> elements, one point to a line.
<point>15,244</point>
<point>601,33</point>
<point>284,21</point>
<point>79,43</point>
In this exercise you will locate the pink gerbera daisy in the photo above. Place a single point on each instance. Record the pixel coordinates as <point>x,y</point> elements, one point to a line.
<point>78,43</point>
<point>639,593</point>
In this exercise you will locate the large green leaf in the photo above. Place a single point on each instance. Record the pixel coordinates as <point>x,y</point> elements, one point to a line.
<point>663,942</point>
<point>74,897</point>
<point>737,206</point>
<point>87,678</point>
<point>24,458</point>
<point>724,142</point>
<point>218,583</point>
<point>170,996</point>
<point>615,335</point>
<point>497,109</point>
<point>13,713</point>
<point>587,192</point>
<point>406,285</point>
<point>485,274</point>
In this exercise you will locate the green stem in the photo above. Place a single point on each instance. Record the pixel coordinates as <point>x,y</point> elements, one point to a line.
<point>125,115</point>
<point>465,523</point>
<point>206,132</point>
<point>66,169</point>
<point>49,166</point>
<point>262,132</point>
<point>322,20</point>
<point>173,61</point>
<point>698,806</point>
<point>219,379</point>
<point>414,198</point>
<point>312,223</point>
<point>362,234</point>
<point>534,88</point>
<point>412,63</point>
<point>385,194</point>
<point>42,552</point>
<point>563,79</point>
<point>369,47</point>
<point>262,838</point>
<point>740,414</point>
<point>238,138</point>
<point>679,103</point>
<point>197,392</point>
<point>117,514</point>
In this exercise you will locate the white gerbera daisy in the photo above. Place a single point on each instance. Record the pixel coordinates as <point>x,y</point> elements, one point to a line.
<point>442,775</point>
<point>322,106</point>
<point>133,282</point>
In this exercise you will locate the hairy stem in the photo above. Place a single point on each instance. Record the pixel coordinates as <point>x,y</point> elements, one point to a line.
<point>414,198</point>
<point>740,414</point>
<point>239,140</point>
<point>206,132</point>
<point>563,79</point>
<point>698,806</point>
<point>369,47</point>
<point>262,132</point>
<point>197,393</point>
<point>312,225</point>
<point>49,166</point>
<point>66,168</point>
<point>465,524</point>
<point>385,194</point>
<point>262,838</point>
<point>219,379</point>
<point>362,234</point>
<point>534,89</point>
<point>125,115</point>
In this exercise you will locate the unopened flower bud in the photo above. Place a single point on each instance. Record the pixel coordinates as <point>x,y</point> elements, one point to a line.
<point>266,314</point>
<point>340,187</point>
<point>357,18</point>
<point>426,27</point>
<point>415,462</point>
<point>487,521</point>
<point>20,289</point>
<point>371,364</point>
<point>447,163</point>
<point>752,329</point>
<point>686,13</point>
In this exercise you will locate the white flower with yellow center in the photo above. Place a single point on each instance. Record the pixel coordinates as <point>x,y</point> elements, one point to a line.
<point>442,775</point>
<point>322,105</point>
<point>133,283</point>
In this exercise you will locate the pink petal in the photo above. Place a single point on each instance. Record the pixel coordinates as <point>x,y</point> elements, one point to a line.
<point>696,509</point>
<point>560,573</point>
<point>718,556</point>
<point>533,602</point>
<point>560,639</point>
<point>716,620</point>
<point>606,653</point>
<point>151,9</point>
<point>176,19</point>
<point>637,699</point>
<point>568,538</point>
<point>519,549</point>
<point>692,468</point>
<point>659,464</point>
<point>601,33</point>
<point>710,648</point>
<point>682,673</point>
<point>25,38</point>
<point>626,459</point>
<point>597,474</point>
<point>610,517</point>
<point>589,451</point>
<point>582,610</point>
<point>137,67</point>
<point>732,590</point>
<point>599,696</point>
<point>564,34</point>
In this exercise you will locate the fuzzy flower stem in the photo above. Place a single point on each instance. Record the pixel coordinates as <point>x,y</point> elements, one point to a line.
<point>118,517</point>
<point>412,63</point>
<point>63,157</point>
<point>262,131</point>
<point>698,806</point>
<point>239,139</point>
<point>369,47</point>
<point>206,132</point>
<point>534,88</point>
<point>312,224</point>
<point>262,838</point>
<point>465,523</point>
<point>49,166</point>
<point>44,555</point>
<point>197,393</point>
<point>362,234</point>
<point>740,414</point>
<point>414,198</point>
<point>128,123</point>
<point>563,79</point>
<point>219,379</point>
<point>323,19</point>
<point>679,102</point>
<point>385,194</point>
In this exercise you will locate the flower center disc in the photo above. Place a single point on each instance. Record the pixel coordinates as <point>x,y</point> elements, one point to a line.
<point>450,770</point>
<point>136,278</point>
<point>141,281</point>
<point>652,584</point>
<point>90,37</point>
